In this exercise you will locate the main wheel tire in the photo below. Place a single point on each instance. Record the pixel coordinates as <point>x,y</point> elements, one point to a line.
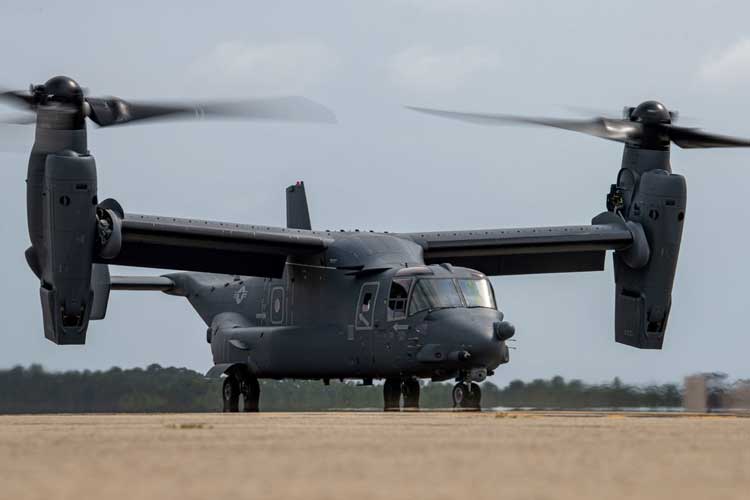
<point>410,391</point>
<point>392,394</point>
<point>474,402</point>
<point>460,393</point>
<point>231,394</point>
<point>251,394</point>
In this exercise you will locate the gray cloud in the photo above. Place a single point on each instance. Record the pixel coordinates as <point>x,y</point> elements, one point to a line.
<point>731,66</point>
<point>281,67</point>
<point>422,67</point>
<point>453,5</point>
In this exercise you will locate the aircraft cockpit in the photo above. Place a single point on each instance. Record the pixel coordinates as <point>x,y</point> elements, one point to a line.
<point>414,290</point>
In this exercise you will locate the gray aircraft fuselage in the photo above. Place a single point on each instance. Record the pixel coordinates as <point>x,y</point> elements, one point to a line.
<point>320,321</point>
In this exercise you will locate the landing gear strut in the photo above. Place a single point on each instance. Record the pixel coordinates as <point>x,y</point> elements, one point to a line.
<point>240,383</point>
<point>392,394</point>
<point>467,396</point>
<point>410,391</point>
<point>395,387</point>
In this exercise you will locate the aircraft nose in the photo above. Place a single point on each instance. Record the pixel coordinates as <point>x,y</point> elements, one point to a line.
<point>473,331</point>
<point>485,348</point>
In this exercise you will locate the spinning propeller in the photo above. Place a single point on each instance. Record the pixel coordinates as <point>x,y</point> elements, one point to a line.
<point>66,97</point>
<point>649,126</point>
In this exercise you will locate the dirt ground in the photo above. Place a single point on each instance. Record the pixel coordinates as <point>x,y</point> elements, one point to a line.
<point>374,455</point>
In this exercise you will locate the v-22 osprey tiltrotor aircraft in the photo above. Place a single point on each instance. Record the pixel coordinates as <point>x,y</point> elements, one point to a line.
<point>295,302</point>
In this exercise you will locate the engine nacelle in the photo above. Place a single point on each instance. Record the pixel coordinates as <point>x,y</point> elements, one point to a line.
<point>69,203</point>
<point>654,202</point>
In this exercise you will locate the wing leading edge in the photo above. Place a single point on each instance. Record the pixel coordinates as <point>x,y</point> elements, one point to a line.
<point>209,246</point>
<point>498,252</point>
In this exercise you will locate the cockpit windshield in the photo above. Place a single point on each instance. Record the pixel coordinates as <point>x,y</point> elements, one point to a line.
<point>434,294</point>
<point>441,293</point>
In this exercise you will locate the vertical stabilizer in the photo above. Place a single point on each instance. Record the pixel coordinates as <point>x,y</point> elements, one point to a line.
<point>297,215</point>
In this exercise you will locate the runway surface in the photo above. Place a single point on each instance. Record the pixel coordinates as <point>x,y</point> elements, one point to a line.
<point>375,456</point>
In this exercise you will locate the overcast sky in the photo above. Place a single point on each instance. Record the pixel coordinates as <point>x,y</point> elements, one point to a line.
<point>385,168</point>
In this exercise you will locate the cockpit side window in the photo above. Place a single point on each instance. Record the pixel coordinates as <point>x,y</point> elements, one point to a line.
<point>477,293</point>
<point>398,298</point>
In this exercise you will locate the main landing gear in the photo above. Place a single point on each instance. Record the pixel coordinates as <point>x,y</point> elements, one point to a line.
<point>467,396</point>
<point>394,388</point>
<point>240,383</point>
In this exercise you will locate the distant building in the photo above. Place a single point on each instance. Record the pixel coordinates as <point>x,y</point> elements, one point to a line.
<point>708,392</point>
<point>694,399</point>
<point>738,398</point>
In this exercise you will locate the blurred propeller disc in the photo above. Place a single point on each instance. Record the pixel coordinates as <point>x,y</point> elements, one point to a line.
<point>606,128</point>
<point>115,111</point>
<point>649,125</point>
<point>19,119</point>
<point>64,95</point>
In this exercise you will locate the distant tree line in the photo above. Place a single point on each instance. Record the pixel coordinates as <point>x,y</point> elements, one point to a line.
<point>157,389</point>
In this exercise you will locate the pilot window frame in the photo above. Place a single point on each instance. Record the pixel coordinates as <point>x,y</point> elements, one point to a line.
<point>394,313</point>
<point>492,291</point>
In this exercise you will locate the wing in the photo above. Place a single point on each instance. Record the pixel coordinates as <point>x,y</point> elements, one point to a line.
<point>497,252</point>
<point>210,246</point>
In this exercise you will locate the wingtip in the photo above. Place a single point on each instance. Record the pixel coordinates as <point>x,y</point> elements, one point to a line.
<point>418,108</point>
<point>433,111</point>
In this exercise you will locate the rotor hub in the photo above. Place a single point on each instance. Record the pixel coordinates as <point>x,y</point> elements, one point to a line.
<point>61,89</point>
<point>651,112</point>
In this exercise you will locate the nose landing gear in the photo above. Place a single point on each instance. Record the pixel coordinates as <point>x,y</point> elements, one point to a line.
<point>467,396</point>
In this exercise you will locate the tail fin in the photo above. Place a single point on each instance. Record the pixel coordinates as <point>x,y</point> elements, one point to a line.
<point>297,215</point>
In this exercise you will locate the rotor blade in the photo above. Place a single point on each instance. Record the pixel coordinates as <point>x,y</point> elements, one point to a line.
<point>17,98</point>
<point>690,138</point>
<point>115,111</point>
<point>25,119</point>
<point>606,128</point>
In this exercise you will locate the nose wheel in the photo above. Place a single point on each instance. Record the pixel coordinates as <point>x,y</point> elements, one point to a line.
<point>467,396</point>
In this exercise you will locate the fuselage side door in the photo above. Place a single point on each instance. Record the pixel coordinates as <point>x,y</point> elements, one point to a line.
<point>365,321</point>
